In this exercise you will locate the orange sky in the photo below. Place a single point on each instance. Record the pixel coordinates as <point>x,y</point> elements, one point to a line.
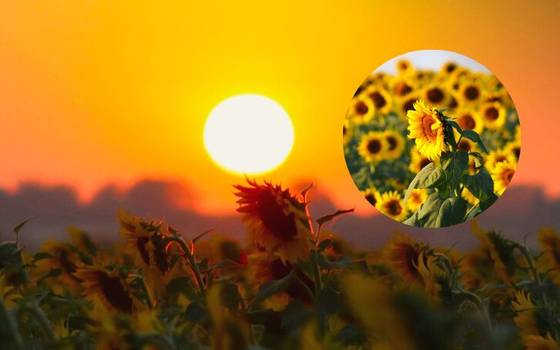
<point>96,92</point>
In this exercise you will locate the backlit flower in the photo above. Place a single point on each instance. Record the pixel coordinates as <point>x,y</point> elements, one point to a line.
<point>108,287</point>
<point>391,204</point>
<point>426,128</point>
<point>372,146</point>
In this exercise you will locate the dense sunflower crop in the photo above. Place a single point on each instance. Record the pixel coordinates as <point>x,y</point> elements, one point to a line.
<point>293,285</point>
<point>405,132</point>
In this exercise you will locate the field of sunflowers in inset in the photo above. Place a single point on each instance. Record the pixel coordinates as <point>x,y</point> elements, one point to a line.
<point>432,147</point>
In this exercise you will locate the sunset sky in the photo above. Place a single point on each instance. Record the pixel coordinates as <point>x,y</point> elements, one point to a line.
<point>100,92</point>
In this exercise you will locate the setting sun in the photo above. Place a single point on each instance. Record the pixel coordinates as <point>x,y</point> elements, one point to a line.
<point>248,134</point>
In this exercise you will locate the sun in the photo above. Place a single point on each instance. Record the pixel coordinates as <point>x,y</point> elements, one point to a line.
<point>248,134</point>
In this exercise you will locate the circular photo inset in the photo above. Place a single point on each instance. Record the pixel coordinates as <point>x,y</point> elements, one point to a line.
<point>431,138</point>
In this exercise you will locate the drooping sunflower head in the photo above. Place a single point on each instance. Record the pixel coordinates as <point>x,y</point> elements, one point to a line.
<point>275,219</point>
<point>373,146</point>
<point>426,128</point>
<point>493,115</point>
<point>416,198</point>
<point>502,174</point>
<point>417,161</point>
<point>381,100</point>
<point>107,287</point>
<point>391,204</point>
<point>361,109</point>
<point>395,143</point>
<point>403,253</point>
<point>371,195</point>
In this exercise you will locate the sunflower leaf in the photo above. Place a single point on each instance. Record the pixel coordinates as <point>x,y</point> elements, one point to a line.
<point>451,212</point>
<point>324,219</point>
<point>480,184</point>
<point>475,137</point>
<point>270,288</point>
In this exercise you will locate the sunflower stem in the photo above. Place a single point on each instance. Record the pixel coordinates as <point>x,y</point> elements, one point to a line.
<point>189,256</point>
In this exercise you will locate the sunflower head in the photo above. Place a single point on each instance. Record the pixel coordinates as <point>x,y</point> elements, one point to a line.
<point>470,92</point>
<point>395,143</point>
<point>426,128</point>
<point>417,161</point>
<point>436,95</point>
<point>403,253</point>
<point>106,286</point>
<point>373,146</point>
<point>498,156</point>
<point>493,115</point>
<point>525,318</point>
<point>502,174</point>
<point>469,120</point>
<point>276,220</point>
<point>391,204</point>
<point>371,195</point>
<point>380,99</point>
<point>361,109</point>
<point>416,198</point>
<point>404,67</point>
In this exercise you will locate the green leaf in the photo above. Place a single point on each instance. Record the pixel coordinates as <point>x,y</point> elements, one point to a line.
<point>475,137</point>
<point>452,212</point>
<point>429,211</point>
<point>480,184</point>
<point>450,136</point>
<point>270,288</point>
<point>455,164</point>
<point>430,175</point>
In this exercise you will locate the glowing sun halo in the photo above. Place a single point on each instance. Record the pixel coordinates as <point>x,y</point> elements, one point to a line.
<point>248,134</point>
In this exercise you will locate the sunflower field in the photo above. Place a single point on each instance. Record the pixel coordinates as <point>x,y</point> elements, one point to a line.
<point>293,285</point>
<point>432,148</point>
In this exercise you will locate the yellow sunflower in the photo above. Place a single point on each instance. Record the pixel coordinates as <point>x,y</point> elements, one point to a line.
<point>549,241</point>
<point>404,67</point>
<point>417,161</point>
<point>436,95</point>
<point>466,144</point>
<point>416,198</point>
<point>498,156</point>
<point>426,128</point>
<point>470,92</point>
<point>395,143</point>
<point>381,100</point>
<point>371,195</point>
<point>469,120</point>
<point>372,146</point>
<point>501,175</point>
<point>493,115</point>
<point>407,104</point>
<point>448,68</point>
<point>401,87</point>
<point>525,318</point>
<point>361,110</point>
<point>402,253</point>
<point>276,220</point>
<point>514,148</point>
<point>391,204</point>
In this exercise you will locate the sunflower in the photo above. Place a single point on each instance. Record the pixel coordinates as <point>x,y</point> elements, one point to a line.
<point>416,198</point>
<point>513,148</point>
<point>395,143</point>
<point>276,220</point>
<point>106,286</point>
<point>381,100</point>
<point>417,161</point>
<point>493,115</point>
<point>550,244</point>
<point>539,342</point>
<point>372,146</point>
<point>426,128</point>
<point>466,144</point>
<point>371,195</point>
<point>391,204</point>
<point>469,120</point>
<point>498,156</point>
<point>404,67</point>
<point>501,175</point>
<point>525,318</point>
<point>60,256</point>
<point>402,87</point>
<point>469,197</point>
<point>361,109</point>
<point>470,92</point>
<point>407,104</point>
<point>448,68</point>
<point>436,95</point>
<point>403,253</point>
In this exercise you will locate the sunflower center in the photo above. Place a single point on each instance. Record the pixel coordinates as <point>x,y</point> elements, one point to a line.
<point>378,100</point>
<point>507,175</point>
<point>453,103</point>
<point>471,93</point>
<point>280,224</point>
<point>435,95</point>
<point>361,108</point>
<point>427,122</point>
<point>467,122</point>
<point>402,88</point>
<point>113,291</point>
<point>450,67</point>
<point>393,207</point>
<point>374,146</point>
<point>491,113</point>
<point>392,142</point>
